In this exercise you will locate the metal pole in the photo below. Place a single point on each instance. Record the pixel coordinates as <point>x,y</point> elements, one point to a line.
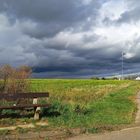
<point>122,65</point>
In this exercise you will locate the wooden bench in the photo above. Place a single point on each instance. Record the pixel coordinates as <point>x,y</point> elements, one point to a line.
<point>18,103</point>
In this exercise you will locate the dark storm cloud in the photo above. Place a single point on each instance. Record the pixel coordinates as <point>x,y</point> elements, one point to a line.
<point>48,17</point>
<point>75,60</point>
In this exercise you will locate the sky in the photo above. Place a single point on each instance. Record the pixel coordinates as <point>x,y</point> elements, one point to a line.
<point>71,38</point>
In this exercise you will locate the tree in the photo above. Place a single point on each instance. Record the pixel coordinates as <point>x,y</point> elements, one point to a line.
<point>14,80</point>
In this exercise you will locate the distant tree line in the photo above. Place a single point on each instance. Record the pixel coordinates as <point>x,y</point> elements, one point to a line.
<point>126,77</point>
<point>98,78</point>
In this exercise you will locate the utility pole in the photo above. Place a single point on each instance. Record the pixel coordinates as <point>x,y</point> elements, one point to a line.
<point>122,65</point>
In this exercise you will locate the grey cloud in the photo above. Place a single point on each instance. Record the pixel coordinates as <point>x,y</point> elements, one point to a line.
<point>130,16</point>
<point>50,16</point>
<point>74,60</point>
<point>56,58</point>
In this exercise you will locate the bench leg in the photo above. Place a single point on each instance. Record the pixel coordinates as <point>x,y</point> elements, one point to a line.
<point>37,112</point>
<point>0,111</point>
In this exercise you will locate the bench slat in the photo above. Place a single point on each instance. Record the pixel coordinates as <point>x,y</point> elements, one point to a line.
<point>24,106</point>
<point>22,95</point>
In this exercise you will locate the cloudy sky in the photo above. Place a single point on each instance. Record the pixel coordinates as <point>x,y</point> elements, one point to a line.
<point>71,38</point>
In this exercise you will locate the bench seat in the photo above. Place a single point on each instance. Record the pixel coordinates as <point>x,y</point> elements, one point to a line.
<point>24,106</point>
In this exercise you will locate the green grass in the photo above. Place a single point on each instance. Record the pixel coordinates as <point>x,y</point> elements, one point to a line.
<point>90,104</point>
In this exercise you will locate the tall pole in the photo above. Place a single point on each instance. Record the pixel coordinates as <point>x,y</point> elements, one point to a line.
<point>122,65</point>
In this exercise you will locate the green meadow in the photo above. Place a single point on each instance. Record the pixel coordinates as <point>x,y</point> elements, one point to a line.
<point>88,103</point>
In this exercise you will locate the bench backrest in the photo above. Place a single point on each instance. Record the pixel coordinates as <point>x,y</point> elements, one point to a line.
<point>11,96</point>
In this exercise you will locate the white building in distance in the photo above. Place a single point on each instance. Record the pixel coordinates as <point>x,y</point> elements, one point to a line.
<point>138,78</point>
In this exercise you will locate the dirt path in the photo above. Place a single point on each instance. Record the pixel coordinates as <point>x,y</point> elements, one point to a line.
<point>125,134</point>
<point>137,120</point>
<point>24,126</point>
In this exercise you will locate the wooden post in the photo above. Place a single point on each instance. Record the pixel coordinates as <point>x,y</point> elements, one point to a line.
<point>36,110</point>
<point>0,111</point>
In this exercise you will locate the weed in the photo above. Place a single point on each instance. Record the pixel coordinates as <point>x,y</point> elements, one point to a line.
<point>93,130</point>
<point>21,130</point>
<point>4,132</point>
<point>46,138</point>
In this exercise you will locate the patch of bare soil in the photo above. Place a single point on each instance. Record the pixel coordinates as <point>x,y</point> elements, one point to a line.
<point>60,134</point>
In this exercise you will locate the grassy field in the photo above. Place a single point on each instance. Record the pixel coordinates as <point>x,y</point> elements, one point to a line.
<point>89,104</point>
